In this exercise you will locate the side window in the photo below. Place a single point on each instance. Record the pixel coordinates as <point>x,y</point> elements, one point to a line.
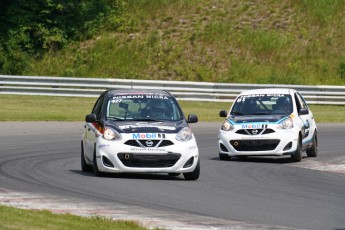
<point>300,102</point>
<point>98,106</point>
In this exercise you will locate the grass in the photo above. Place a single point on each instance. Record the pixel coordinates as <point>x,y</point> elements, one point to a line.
<point>21,219</point>
<point>42,108</point>
<point>287,42</point>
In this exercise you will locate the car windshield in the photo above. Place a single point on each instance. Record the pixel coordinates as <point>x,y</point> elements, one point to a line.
<point>143,107</point>
<point>262,104</point>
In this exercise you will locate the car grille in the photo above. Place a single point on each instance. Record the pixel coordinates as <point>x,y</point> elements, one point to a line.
<point>254,131</point>
<point>149,143</point>
<point>149,160</point>
<point>254,145</point>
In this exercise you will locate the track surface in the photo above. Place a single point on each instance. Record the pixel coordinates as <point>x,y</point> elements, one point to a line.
<point>44,158</point>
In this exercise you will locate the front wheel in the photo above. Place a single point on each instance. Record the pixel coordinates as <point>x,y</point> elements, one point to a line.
<point>312,152</point>
<point>193,175</point>
<point>84,166</point>
<point>297,156</point>
<point>95,167</point>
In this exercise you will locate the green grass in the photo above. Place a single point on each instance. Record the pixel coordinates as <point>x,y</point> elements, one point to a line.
<point>287,42</point>
<point>42,108</point>
<point>20,219</point>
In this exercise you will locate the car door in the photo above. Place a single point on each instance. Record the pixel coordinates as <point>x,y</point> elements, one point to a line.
<point>91,130</point>
<point>306,117</point>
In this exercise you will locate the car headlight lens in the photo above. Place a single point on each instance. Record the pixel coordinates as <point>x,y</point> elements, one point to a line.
<point>110,134</point>
<point>184,134</point>
<point>286,124</point>
<point>227,126</point>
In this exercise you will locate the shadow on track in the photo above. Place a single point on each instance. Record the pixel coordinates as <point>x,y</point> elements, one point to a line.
<point>260,159</point>
<point>150,176</point>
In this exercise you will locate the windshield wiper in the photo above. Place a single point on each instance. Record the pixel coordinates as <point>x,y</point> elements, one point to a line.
<point>116,118</point>
<point>148,119</point>
<point>261,113</point>
<point>237,113</point>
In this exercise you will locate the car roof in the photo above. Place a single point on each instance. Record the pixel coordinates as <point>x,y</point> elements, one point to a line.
<point>138,91</point>
<point>268,91</point>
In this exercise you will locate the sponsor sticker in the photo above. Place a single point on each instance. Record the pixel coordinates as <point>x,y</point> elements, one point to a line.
<point>253,126</point>
<point>103,146</point>
<point>150,96</point>
<point>147,150</point>
<point>148,136</point>
<point>244,97</point>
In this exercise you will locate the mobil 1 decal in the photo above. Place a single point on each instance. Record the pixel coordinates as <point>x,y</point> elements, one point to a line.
<point>148,135</point>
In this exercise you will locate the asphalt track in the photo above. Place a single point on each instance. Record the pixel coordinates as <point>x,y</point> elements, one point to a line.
<point>40,168</point>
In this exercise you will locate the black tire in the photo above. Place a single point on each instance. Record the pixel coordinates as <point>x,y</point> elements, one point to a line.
<point>313,151</point>
<point>297,156</point>
<point>95,167</point>
<point>174,174</point>
<point>193,175</point>
<point>84,166</point>
<point>224,157</point>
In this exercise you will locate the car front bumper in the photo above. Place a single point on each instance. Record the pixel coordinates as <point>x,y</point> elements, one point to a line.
<point>117,157</point>
<point>281,142</point>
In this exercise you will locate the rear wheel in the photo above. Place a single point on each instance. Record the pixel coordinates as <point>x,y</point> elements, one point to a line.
<point>297,156</point>
<point>312,152</point>
<point>193,175</point>
<point>224,157</point>
<point>84,166</point>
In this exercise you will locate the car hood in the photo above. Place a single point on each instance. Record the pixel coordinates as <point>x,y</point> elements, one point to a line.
<point>147,126</point>
<point>257,118</point>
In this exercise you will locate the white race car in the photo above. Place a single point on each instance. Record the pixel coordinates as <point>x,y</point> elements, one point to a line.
<point>268,122</point>
<point>139,131</point>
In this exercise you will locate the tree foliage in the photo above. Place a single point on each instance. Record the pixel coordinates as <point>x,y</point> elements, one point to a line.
<point>31,28</point>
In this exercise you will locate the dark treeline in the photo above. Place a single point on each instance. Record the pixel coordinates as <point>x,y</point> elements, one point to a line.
<point>28,29</point>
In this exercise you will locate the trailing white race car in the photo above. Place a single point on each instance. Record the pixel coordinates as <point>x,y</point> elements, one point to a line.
<point>139,131</point>
<point>268,122</point>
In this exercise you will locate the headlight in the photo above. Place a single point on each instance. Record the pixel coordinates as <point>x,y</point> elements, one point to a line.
<point>227,126</point>
<point>286,124</point>
<point>184,134</point>
<point>110,134</point>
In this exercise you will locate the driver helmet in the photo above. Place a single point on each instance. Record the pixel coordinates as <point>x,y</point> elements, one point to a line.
<point>284,103</point>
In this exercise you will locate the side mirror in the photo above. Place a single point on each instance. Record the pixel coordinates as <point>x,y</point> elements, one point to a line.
<point>192,118</point>
<point>303,112</point>
<point>90,118</point>
<point>223,113</point>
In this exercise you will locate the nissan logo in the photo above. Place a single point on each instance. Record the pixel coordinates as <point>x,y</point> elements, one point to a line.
<point>254,131</point>
<point>149,143</point>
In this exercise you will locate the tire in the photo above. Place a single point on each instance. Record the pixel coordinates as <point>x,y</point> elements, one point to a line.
<point>224,157</point>
<point>95,167</point>
<point>84,166</point>
<point>193,175</point>
<point>313,151</point>
<point>297,156</point>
